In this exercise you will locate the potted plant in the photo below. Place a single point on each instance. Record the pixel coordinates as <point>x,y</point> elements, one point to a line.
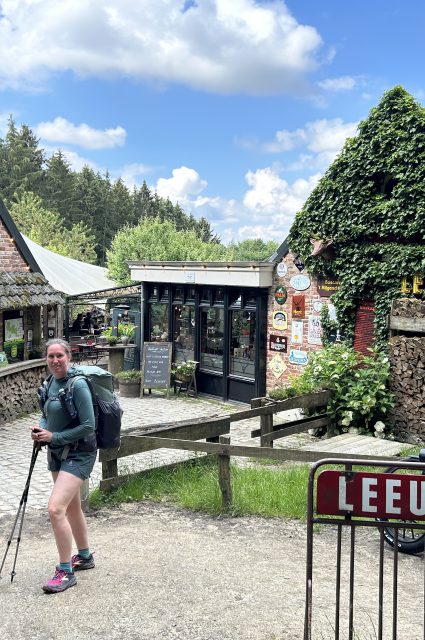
<point>129,382</point>
<point>126,331</point>
<point>183,371</point>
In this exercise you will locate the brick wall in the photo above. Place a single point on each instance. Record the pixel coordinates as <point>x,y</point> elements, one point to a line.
<point>307,340</point>
<point>10,258</point>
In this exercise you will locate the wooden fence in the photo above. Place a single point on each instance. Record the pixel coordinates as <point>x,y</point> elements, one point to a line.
<point>185,435</point>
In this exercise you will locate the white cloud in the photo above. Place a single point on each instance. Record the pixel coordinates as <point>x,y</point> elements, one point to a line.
<point>76,161</point>
<point>270,194</point>
<point>266,210</point>
<point>133,174</point>
<point>184,183</point>
<point>62,131</point>
<point>344,83</point>
<point>215,45</point>
<point>323,140</point>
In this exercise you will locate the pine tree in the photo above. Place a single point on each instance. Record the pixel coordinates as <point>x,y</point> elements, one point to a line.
<point>22,161</point>
<point>59,193</point>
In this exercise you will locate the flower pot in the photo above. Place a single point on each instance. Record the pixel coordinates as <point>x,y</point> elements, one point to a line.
<point>129,388</point>
<point>125,339</point>
<point>183,377</point>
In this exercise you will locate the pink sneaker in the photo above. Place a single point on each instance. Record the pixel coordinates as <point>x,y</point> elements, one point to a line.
<point>61,580</point>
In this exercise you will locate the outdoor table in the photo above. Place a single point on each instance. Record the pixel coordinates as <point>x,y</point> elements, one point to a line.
<point>116,355</point>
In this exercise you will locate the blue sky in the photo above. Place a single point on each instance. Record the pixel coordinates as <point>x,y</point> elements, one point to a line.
<point>234,108</point>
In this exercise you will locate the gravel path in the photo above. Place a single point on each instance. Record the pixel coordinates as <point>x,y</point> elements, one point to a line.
<point>164,573</point>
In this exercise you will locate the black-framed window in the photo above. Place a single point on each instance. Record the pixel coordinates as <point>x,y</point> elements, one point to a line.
<point>184,332</point>
<point>190,294</point>
<point>218,296</point>
<point>212,339</point>
<point>242,343</point>
<point>178,294</point>
<point>159,330</point>
<point>206,294</point>
<point>153,293</point>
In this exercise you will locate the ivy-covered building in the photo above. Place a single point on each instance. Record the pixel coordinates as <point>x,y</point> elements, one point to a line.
<point>363,226</point>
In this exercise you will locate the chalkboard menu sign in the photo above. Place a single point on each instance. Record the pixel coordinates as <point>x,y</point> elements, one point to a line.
<point>156,365</point>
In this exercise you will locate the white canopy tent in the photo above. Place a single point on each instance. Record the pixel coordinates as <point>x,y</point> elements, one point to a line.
<point>68,275</point>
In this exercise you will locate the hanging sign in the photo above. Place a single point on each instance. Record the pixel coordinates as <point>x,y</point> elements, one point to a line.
<point>314,330</point>
<point>327,286</point>
<point>278,343</point>
<point>299,264</point>
<point>280,320</point>
<point>298,306</point>
<point>281,269</point>
<point>297,332</point>
<point>300,282</point>
<point>298,357</point>
<point>280,295</point>
<point>277,366</point>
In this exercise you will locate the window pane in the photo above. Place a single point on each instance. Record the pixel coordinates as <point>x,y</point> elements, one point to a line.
<point>159,322</point>
<point>242,345</point>
<point>184,333</point>
<point>178,294</point>
<point>212,339</point>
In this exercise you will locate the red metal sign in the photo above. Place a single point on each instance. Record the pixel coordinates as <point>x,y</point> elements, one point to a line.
<point>371,495</point>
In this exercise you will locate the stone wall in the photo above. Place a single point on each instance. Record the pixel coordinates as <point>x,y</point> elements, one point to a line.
<point>18,388</point>
<point>10,258</point>
<point>299,344</point>
<point>407,378</point>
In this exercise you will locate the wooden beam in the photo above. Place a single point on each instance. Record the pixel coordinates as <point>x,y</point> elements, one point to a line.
<point>303,424</point>
<point>136,442</point>
<point>301,455</point>
<point>414,325</point>
<point>289,431</point>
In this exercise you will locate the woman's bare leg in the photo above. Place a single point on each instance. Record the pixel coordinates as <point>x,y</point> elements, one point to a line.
<point>77,522</point>
<point>66,488</point>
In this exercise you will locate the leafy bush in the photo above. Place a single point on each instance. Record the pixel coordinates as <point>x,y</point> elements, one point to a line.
<point>126,329</point>
<point>360,398</point>
<point>131,374</point>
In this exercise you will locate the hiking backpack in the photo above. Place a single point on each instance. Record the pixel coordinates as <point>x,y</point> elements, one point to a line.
<point>107,410</point>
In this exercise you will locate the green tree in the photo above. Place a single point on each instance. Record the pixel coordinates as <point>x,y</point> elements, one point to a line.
<point>152,239</point>
<point>47,229</point>
<point>22,162</point>
<point>371,204</point>
<point>253,249</point>
<point>59,188</point>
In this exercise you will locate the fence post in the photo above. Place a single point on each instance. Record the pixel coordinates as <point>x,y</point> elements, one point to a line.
<point>224,479</point>
<point>266,426</point>
<point>110,469</point>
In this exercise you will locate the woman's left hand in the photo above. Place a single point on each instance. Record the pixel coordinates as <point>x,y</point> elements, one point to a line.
<point>41,435</point>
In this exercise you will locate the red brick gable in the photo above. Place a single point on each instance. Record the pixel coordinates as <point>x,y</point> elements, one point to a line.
<point>10,257</point>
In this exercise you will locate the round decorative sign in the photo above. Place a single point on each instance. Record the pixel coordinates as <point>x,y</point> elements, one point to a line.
<point>317,305</point>
<point>280,295</point>
<point>300,283</point>
<point>281,269</point>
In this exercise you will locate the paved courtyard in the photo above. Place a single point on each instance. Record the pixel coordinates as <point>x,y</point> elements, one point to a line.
<point>16,444</point>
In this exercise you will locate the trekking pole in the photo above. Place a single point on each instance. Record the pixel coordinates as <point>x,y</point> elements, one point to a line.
<point>22,506</point>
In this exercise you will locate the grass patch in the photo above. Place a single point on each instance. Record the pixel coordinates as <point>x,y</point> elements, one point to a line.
<point>194,485</point>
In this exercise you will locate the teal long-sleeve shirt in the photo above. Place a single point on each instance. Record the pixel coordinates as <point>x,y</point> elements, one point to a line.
<point>58,422</point>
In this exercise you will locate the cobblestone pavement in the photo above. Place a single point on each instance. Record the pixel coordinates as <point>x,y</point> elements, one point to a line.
<point>16,445</point>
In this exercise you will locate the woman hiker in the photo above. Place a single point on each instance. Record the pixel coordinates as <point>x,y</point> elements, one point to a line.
<point>71,454</point>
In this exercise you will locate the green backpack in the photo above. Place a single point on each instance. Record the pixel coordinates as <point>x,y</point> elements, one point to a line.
<point>107,410</point>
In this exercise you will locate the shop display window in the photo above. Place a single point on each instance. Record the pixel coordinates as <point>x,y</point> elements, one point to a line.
<point>212,339</point>
<point>184,332</point>
<point>242,343</point>
<point>159,322</point>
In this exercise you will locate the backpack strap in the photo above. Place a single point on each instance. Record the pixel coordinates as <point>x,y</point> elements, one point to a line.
<point>70,384</point>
